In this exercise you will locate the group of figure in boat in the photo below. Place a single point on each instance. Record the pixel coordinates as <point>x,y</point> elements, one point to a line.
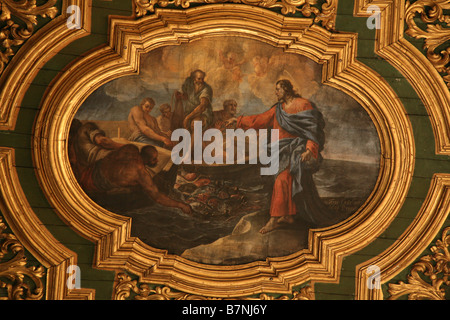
<point>144,161</point>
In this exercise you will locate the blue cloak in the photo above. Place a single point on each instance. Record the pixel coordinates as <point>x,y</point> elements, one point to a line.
<point>305,125</point>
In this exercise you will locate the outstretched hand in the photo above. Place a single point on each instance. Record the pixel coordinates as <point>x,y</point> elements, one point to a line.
<point>186,208</point>
<point>307,155</point>
<point>178,95</point>
<point>167,142</point>
<point>230,121</point>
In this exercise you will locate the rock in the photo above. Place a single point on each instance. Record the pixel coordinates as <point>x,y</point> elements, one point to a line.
<point>245,244</point>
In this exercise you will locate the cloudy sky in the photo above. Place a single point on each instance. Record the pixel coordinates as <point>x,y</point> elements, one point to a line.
<point>245,70</point>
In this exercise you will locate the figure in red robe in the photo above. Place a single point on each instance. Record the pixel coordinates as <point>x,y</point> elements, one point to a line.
<point>301,139</point>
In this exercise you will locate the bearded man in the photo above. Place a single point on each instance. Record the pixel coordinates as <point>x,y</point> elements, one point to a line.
<point>301,139</point>
<point>197,98</point>
<point>222,116</point>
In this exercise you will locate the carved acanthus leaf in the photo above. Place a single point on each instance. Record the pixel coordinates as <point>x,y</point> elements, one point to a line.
<point>436,34</point>
<point>324,13</point>
<point>15,276</point>
<point>11,33</point>
<point>125,286</point>
<point>428,277</point>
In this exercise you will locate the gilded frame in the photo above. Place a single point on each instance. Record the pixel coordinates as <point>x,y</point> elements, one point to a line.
<point>34,236</point>
<point>18,213</point>
<point>423,76</point>
<point>117,250</point>
<point>35,53</point>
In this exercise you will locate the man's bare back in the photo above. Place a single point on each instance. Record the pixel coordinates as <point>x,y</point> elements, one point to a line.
<point>126,167</point>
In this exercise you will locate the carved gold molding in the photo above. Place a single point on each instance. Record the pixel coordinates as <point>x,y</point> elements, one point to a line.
<point>116,249</point>
<point>125,285</point>
<point>391,45</point>
<point>434,267</point>
<point>432,216</point>
<point>14,271</point>
<point>326,14</point>
<point>432,13</point>
<point>33,236</point>
<point>429,85</point>
<point>12,34</point>
<point>35,53</point>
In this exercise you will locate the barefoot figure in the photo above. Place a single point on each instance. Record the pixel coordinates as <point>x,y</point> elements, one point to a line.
<point>301,139</point>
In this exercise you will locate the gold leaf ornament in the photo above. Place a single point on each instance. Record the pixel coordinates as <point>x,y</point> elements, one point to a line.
<point>436,33</point>
<point>325,14</point>
<point>435,268</point>
<point>15,276</point>
<point>12,34</point>
<point>125,286</point>
<point>143,292</point>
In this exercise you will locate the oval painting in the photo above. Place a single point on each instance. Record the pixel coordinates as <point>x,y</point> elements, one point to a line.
<point>225,151</point>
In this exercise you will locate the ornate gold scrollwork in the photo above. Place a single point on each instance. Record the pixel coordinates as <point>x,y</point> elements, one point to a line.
<point>14,272</point>
<point>115,247</point>
<point>326,14</point>
<point>435,267</point>
<point>392,46</point>
<point>12,34</point>
<point>125,285</point>
<point>411,245</point>
<point>28,232</point>
<point>435,35</point>
<point>18,73</point>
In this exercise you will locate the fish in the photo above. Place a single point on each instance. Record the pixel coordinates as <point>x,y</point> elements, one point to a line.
<point>200,207</point>
<point>190,176</point>
<point>213,202</point>
<point>223,195</point>
<point>203,197</point>
<point>202,182</point>
<point>187,188</point>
